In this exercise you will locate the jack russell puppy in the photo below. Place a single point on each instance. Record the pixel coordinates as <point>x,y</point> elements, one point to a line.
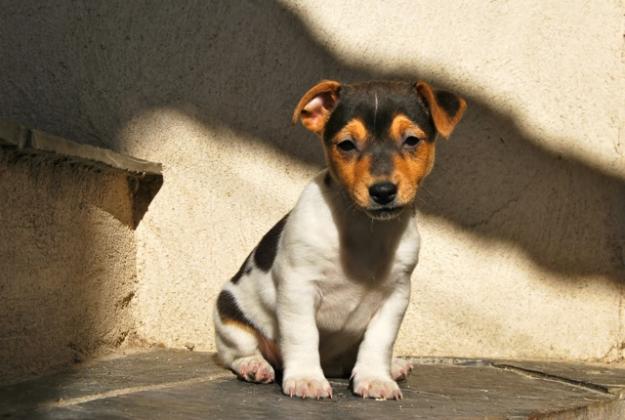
<point>325,290</point>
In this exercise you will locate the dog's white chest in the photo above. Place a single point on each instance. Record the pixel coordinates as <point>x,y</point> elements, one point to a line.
<point>346,307</point>
<point>355,283</point>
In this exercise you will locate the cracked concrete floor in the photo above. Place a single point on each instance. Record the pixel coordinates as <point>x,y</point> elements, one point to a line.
<point>175,384</point>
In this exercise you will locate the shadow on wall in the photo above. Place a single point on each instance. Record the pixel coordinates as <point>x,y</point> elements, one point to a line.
<point>67,268</point>
<point>85,70</point>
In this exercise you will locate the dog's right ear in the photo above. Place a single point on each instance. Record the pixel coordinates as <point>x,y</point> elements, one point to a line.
<point>315,107</point>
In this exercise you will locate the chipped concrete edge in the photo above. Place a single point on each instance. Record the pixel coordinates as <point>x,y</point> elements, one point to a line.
<point>25,139</point>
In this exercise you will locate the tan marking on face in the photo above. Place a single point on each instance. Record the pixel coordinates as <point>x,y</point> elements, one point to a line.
<point>353,172</point>
<point>401,125</point>
<point>352,169</point>
<point>410,169</point>
<point>355,129</point>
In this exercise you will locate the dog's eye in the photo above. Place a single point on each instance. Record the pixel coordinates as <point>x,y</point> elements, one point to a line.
<point>346,145</point>
<point>411,141</point>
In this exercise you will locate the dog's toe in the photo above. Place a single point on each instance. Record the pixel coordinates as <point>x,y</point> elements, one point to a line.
<point>378,388</point>
<point>254,369</point>
<point>400,369</point>
<point>306,387</point>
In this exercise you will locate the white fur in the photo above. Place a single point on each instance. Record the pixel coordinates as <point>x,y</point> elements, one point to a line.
<point>334,298</point>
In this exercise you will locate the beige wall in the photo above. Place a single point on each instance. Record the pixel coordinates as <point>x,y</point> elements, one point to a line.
<point>67,266</point>
<point>523,218</point>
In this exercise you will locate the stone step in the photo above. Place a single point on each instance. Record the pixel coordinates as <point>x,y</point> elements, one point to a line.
<point>177,384</point>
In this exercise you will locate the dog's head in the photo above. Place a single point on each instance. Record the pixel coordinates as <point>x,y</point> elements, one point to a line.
<point>379,137</point>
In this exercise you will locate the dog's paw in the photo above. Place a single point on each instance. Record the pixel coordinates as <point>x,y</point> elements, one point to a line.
<point>376,387</point>
<point>307,387</point>
<point>400,369</point>
<point>254,369</point>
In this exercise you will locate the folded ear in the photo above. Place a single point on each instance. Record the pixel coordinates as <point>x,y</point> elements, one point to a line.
<point>315,107</point>
<point>446,108</point>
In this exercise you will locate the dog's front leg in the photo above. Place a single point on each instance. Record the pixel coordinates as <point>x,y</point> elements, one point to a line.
<point>299,340</point>
<point>371,376</point>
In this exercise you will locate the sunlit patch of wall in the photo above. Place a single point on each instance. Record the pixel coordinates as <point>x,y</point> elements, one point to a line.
<point>221,192</point>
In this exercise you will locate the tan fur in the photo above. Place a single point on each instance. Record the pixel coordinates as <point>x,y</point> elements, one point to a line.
<point>444,123</point>
<point>402,124</point>
<point>328,91</point>
<point>353,173</point>
<point>268,348</point>
<point>410,169</point>
<point>355,129</point>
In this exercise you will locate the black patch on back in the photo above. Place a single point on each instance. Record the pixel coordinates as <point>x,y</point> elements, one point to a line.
<point>242,270</point>
<point>268,247</point>
<point>229,309</point>
<point>448,101</point>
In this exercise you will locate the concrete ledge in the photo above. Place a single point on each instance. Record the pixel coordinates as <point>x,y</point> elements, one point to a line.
<point>68,266</point>
<point>30,140</point>
<point>178,384</point>
<point>144,178</point>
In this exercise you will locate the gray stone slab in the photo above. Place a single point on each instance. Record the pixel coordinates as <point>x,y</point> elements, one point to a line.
<point>434,392</point>
<point>106,376</point>
<point>600,374</point>
<point>187,385</point>
<point>27,140</point>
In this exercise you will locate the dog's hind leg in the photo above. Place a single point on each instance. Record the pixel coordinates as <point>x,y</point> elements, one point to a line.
<point>240,346</point>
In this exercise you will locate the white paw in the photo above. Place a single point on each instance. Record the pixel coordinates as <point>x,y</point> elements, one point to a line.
<point>254,369</point>
<point>307,387</point>
<point>400,369</point>
<point>379,388</point>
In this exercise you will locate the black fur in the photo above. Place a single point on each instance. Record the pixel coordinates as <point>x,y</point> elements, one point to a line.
<point>327,180</point>
<point>229,309</point>
<point>448,101</point>
<point>268,247</point>
<point>242,270</point>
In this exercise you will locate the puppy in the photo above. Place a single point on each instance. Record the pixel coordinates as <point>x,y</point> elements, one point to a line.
<point>325,290</point>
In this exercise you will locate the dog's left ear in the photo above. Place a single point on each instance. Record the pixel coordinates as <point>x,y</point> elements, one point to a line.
<point>315,107</point>
<point>446,108</point>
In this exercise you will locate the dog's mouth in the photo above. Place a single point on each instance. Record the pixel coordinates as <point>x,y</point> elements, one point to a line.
<point>384,213</point>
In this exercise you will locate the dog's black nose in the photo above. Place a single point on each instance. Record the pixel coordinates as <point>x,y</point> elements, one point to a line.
<point>383,192</point>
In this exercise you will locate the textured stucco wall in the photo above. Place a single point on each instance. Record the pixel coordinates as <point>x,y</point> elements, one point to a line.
<point>68,262</point>
<point>523,218</point>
